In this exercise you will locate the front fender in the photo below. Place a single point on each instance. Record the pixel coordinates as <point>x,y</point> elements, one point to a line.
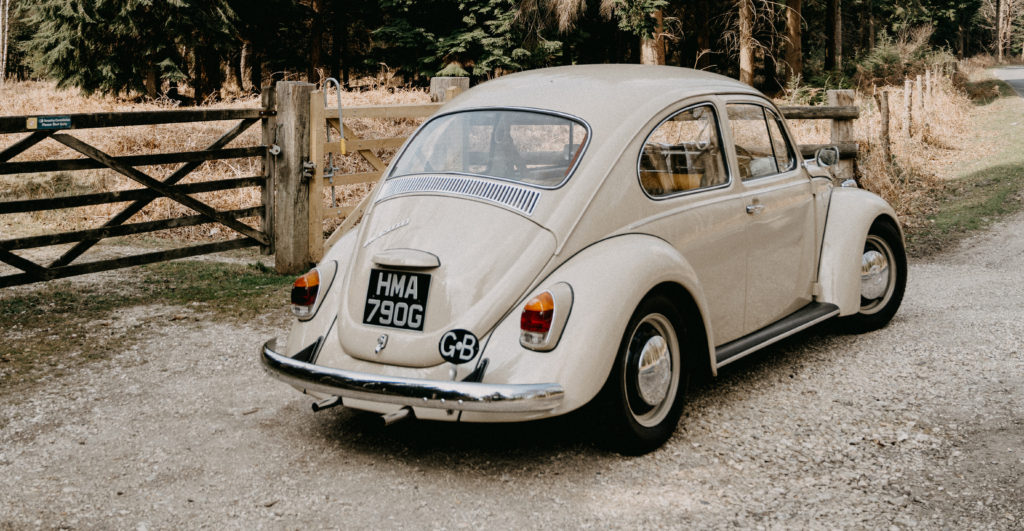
<point>608,280</point>
<point>851,213</point>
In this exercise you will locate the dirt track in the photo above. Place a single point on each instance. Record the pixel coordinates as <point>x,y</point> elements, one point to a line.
<point>919,424</point>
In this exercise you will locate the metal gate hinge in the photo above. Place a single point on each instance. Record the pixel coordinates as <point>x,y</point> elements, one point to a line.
<point>274,149</point>
<point>267,113</point>
<point>308,167</point>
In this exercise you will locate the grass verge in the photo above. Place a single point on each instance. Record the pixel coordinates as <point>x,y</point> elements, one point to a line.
<point>985,190</point>
<point>57,326</point>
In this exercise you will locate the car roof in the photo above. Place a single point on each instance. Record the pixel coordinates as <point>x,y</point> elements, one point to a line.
<point>588,91</point>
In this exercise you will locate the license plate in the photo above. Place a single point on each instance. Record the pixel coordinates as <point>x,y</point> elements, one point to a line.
<point>396,299</point>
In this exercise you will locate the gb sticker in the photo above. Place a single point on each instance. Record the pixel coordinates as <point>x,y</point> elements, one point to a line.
<point>459,346</point>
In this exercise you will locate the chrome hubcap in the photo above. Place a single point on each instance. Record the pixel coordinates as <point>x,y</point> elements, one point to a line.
<point>652,370</point>
<point>874,275</point>
<point>654,373</point>
<point>877,275</point>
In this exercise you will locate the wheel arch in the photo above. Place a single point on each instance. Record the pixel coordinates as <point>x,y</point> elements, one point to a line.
<point>632,266</point>
<point>851,214</point>
<point>694,322</point>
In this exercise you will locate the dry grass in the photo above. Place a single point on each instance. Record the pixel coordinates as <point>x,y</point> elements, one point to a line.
<point>921,158</point>
<point>43,98</point>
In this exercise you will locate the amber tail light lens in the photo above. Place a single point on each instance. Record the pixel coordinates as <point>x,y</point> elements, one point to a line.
<point>304,293</point>
<point>537,314</point>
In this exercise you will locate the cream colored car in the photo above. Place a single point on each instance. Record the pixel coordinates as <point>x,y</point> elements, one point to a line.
<point>585,236</point>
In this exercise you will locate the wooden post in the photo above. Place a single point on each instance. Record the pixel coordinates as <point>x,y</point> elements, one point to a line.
<point>317,138</point>
<point>269,125</point>
<point>439,86</point>
<point>842,130</point>
<point>922,121</point>
<point>908,109</point>
<point>927,100</point>
<point>291,189</point>
<point>882,99</point>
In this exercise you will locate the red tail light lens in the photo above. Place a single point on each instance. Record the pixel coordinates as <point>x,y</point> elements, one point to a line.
<point>304,293</point>
<point>538,314</point>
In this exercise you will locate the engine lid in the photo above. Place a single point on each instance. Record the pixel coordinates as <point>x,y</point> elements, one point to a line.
<point>429,264</point>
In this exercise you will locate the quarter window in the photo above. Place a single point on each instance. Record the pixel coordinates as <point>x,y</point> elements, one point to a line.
<point>761,148</point>
<point>682,154</point>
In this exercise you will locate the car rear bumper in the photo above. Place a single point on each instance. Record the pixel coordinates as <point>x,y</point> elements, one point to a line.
<point>438,394</point>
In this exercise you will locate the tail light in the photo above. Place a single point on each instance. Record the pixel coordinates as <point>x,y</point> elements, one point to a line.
<point>304,293</point>
<point>544,317</point>
<point>535,321</point>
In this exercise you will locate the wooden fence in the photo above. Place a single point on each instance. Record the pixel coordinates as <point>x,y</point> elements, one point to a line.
<point>294,124</point>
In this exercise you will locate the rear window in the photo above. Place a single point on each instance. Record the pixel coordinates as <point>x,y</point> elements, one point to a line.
<point>528,147</point>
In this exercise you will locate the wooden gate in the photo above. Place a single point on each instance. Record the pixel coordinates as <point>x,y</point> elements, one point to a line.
<point>58,128</point>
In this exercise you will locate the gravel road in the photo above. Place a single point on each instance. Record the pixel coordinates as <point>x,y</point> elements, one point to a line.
<point>917,425</point>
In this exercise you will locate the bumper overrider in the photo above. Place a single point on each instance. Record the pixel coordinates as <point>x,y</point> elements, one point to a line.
<point>438,394</point>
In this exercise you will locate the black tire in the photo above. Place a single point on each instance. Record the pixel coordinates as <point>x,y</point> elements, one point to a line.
<point>882,293</point>
<point>640,404</point>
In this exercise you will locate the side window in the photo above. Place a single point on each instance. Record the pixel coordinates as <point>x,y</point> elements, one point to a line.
<point>683,153</point>
<point>783,152</point>
<point>754,148</point>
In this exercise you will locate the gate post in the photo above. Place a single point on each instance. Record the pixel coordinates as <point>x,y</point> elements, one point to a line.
<point>842,130</point>
<point>291,188</point>
<point>269,126</point>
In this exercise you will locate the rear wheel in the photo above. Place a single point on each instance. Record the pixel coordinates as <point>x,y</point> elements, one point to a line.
<point>883,278</point>
<point>643,398</point>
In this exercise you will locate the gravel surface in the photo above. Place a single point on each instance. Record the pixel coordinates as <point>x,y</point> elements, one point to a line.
<point>917,425</point>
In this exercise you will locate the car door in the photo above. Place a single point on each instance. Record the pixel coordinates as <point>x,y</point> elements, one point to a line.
<point>682,168</point>
<point>779,203</point>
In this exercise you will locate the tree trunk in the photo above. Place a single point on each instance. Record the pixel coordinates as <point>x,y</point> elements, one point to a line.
<point>871,26</point>
<point>652,49</point>
<point>834,35</point>
<point>999,31</point>
<point>702,12</point>
<point>746,23</point>
<point>794,34</point>
<point>316,41</point>
<point>245,67</point>
<point>151,81</point>
<point>5,30</point>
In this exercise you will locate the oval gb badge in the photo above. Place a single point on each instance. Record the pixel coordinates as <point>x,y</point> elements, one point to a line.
<point>459,346</point>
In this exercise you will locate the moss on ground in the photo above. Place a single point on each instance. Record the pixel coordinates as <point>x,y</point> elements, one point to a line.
<point>56,326</point>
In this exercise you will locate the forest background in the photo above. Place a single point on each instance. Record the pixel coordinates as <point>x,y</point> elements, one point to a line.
<point>195,51</point>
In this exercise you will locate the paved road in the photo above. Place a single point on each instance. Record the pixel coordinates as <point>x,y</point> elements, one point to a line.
<point>1013,76</point>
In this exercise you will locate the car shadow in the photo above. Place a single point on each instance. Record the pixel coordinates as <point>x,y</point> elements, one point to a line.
<point>501,445</point>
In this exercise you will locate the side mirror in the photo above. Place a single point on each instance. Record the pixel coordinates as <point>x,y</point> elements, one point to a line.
<point>826,156</point>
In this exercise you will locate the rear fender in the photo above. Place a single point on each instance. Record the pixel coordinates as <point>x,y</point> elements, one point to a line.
<point>851,213</point>
<point>305,333</point>
<point>608,281</point>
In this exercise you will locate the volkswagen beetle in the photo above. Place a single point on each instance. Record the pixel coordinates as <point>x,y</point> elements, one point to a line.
<point>585,236</point>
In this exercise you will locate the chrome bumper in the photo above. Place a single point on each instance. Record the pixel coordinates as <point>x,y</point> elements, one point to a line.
<point>438,394</point>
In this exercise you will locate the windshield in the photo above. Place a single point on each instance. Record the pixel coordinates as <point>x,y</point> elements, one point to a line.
<point>523,146</point>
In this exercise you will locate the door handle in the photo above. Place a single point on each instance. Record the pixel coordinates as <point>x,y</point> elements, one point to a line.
<point>755,209</point>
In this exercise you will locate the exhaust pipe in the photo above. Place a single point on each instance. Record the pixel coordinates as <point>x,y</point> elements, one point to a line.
<point>397,416</point>
<point>326,404</point>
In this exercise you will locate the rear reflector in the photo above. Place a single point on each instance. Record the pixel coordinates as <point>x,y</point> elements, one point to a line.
<point>304,293</point>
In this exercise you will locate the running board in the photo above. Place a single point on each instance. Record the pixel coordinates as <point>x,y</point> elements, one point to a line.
<point>801,319</point>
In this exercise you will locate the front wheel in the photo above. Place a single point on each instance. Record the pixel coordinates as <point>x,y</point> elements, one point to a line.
<point>643,398</point>
<point>883,278</point>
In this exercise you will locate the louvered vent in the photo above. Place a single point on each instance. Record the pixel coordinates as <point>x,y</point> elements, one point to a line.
<point>518,197</point>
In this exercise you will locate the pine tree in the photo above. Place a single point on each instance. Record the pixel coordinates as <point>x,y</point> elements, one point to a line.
<point>112,46</point>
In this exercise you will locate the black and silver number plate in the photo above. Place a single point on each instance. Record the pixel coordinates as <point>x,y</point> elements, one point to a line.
<point>396,299</point>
